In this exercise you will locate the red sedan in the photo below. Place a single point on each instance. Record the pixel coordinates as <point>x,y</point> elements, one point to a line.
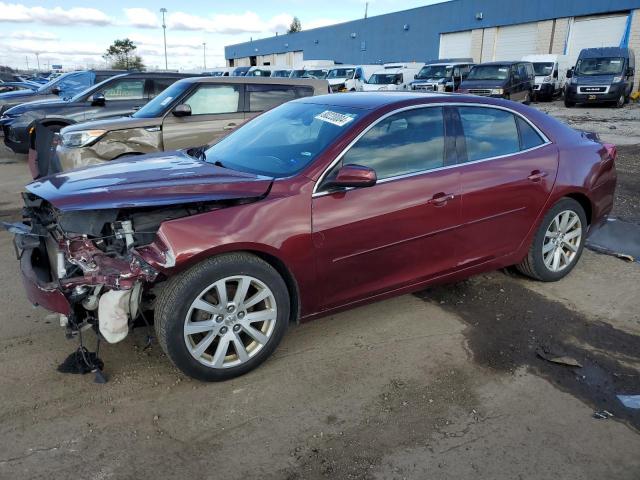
<point>318,205</point>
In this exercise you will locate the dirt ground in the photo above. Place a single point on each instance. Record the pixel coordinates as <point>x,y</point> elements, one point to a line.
<point>444,384</point>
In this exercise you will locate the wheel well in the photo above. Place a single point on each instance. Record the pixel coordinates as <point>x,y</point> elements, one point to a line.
<point>51,123</point>
<point>585,203</point>
<point>289,280</point>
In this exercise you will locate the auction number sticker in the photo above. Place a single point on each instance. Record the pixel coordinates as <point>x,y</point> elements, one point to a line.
<point>335,118</point>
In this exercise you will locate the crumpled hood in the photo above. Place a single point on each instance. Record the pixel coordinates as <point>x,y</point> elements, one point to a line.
<point>166,178</point>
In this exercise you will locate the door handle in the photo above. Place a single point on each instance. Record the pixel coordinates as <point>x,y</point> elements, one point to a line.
<point>537,175</point>
<point>441,199</point>
<point>229,126</point>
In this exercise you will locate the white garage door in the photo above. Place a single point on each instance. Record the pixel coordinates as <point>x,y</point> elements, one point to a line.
<point>593,32</point>
<point>516,41</point>
<point>455,45</point>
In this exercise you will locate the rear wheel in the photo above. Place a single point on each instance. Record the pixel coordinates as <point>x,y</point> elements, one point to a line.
<point>223,317</point>
<point>558,242</point>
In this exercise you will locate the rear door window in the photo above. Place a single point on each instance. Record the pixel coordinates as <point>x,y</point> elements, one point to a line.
<point>264,97</point>
<point>529,138</point>
<point>160,84</point>
<point>488,132</point>
<point>125,89</point>
<point>215,99</point>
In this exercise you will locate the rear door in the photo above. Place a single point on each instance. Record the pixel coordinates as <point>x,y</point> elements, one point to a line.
<point>402,230</point>
<point>507,174</point>
<point>216,109</point>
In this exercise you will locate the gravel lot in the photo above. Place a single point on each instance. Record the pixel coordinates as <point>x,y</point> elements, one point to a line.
<point>442,384</point>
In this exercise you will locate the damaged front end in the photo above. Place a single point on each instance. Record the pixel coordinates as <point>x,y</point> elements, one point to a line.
<point>84,264</point>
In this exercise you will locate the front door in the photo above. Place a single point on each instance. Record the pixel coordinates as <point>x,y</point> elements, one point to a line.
<point>401,230</point>
<point>506,179</point>
<point>216,110</point>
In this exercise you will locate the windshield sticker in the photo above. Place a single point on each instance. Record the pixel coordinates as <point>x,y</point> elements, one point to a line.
<point>503,69</point>
<point>335,118</point>
<point>614,61</point>
<point>166,100</point>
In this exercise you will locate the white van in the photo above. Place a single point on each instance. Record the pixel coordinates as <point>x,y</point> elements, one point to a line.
<point>392,78</point>
<point>350,78</point>
<point>550,71</point>
<point>312,69</point>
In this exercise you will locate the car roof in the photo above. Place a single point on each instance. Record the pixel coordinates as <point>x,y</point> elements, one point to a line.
<point>370,100</point>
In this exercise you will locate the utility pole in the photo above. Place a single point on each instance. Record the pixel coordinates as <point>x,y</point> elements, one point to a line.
<point>164,33</point>
<point>366,10</point>
<point>27,59</point>
<point>204,54</point>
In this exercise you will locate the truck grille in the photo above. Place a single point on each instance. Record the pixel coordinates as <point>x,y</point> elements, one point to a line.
<point>594,89</point>
<point>480,91</point>
<point>425,87</point>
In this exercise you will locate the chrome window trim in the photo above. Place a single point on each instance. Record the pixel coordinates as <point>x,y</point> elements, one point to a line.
<point>545,139</point>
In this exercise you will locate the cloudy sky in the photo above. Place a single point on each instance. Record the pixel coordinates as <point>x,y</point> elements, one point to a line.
<point>76,33</point>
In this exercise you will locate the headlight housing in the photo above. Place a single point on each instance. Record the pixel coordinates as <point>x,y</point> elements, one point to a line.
<point>497,91</point>
<point>617,79</point>
<point>81,138</point>
<point>546,79</point>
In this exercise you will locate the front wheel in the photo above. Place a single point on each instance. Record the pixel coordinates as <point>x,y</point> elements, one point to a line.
<point>621,101</point>
<point>223,317</point>
<point>527,98</point>
<point>558,242</point>
<point>569,103</point>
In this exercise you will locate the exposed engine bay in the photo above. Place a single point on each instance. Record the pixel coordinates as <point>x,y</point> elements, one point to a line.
<point>90,256</point>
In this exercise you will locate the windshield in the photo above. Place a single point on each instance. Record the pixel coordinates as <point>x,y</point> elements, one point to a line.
<point>319,73</point>
<point>259,73</point>
<point>281,73</point>
<point>543,69</point>
<point>489,72</point>
<point>90,90</point>
<point>385,78</point>
<point>341,73</point>
<point>51,83</point>
<point>599,66</point>
<point>435,71</point>
<point>159,104</point>
<point>284,140</point>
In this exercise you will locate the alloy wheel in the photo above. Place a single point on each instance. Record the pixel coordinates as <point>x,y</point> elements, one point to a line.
<point>230,321</point>
<point>562,241</point>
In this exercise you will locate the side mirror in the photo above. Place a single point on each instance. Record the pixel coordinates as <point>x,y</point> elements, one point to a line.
<point>98,100</point>
<point>555,74</point>
<point>354,176</point>
<point>414,77</point>
<point>630,72</point>
<point>182,110</point>
<point>56,90</point>
<point>570,73</point>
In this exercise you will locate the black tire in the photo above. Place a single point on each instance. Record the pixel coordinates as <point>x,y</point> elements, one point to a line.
<point>176,297</point>
<point>569,103</point>
<point>533,265</point>
<point>527,99</point>
<point>620,103</point>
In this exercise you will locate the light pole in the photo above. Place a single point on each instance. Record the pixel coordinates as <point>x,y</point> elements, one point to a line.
<point>164,33</point>
<point>204,55</point>
<point>38,59</point>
